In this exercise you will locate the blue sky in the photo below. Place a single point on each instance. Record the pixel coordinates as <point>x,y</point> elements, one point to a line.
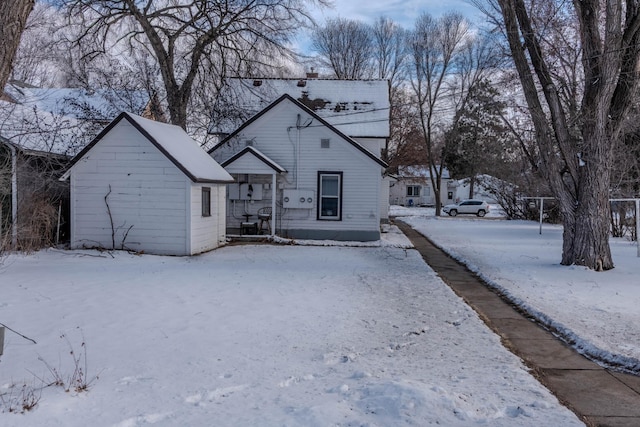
<point>403,12</point>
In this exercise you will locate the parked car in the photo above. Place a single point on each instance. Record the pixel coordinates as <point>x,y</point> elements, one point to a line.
<point>477,207</point>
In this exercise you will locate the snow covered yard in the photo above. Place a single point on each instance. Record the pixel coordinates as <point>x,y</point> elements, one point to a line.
<point>258,336</point>
<point>599,311</point>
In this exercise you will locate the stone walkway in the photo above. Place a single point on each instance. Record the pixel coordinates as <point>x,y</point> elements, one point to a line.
<point>600,397</point>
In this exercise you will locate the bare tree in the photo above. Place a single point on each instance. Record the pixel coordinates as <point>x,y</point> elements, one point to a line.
<point>346,47</point>
<point>576,157</point>
<point>35,60</point>
<point>445,61</point>
<point>186,37</point>
<point>389,51</point>
<point>13,18</point>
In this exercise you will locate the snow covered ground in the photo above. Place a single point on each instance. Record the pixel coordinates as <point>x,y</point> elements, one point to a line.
<point>598,311</point>
<point>258,335</point>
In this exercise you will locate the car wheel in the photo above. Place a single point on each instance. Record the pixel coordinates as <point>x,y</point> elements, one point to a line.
<point>481,213</point>
<point>453,212</point>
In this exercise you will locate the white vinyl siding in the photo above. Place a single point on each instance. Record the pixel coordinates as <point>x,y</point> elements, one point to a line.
<point>275,134</point>
<point>207,232</point>
<point>148,193</point>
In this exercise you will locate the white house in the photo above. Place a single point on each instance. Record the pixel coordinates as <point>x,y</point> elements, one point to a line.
<point>413,187</point>
<point>358,109</point>
<point>318,182</point>
<point>146,186</point>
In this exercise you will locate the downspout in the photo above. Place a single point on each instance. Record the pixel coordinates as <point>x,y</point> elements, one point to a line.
<point>14,196</point>
<point>297,149</point>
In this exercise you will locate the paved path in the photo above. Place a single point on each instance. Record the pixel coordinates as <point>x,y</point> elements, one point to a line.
<point>600,397</point>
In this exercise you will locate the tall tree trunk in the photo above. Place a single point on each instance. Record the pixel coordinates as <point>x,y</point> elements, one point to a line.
<point>577,167</point>
<point>13,18</point>
<point>592,211</point>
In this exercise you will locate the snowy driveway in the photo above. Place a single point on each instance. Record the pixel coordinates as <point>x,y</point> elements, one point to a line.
<point>260,336</point>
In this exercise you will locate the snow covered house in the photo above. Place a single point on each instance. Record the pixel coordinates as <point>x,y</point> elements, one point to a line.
<point>61,120</point>
<point>146,186</point>
<point>317,182</point>
<point>358,109</point>
<point>413,187</point>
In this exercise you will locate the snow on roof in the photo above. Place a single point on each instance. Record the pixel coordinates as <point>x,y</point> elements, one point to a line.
<point>184,149</point>
<point>419,171</point>
<point>358,108</point>
<point>174,143</point>
<point>61,120</point>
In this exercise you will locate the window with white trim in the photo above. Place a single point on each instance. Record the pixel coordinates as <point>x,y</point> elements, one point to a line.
<point>413,190</point>
<point>330,195</point>
<point>206,201</point>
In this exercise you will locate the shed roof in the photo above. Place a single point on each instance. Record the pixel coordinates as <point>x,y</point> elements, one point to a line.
<point>358,108</point>
<point>174,143</point>
<point>251,151</point>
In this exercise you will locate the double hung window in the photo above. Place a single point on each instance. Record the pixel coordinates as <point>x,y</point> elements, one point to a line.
<point>330,195</point>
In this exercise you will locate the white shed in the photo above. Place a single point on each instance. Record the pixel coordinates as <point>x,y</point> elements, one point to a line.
<point>146,186</point>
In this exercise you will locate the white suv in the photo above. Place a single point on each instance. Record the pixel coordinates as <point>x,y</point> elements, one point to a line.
<point>477,207</point>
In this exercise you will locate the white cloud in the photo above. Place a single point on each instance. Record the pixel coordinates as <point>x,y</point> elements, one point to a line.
<point>402,11</point>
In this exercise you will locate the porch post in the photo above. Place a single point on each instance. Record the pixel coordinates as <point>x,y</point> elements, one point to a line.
<point>638,225</point>
<point>14,197</point>
<point>273,203</point>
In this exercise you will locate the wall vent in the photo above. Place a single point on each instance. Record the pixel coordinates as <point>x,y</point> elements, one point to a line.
<point>325,143</point>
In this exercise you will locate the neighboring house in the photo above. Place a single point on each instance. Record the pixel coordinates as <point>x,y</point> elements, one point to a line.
<point>32,201</point>
<point>61,120</point>
<point>42,129</point>
<point>318,182</point>
<point>146,186</point>
<point>358,109</point>
<point>413,187</point>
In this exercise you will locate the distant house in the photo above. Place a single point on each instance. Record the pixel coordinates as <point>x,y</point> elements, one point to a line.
<point>358,109</point>
<point>318,182</point>
<point>413,187</point>
<point>62,120</point>
<point>146,186</point>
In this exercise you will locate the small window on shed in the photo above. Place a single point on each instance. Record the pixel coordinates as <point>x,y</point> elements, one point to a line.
<point>206,201</point>
<point>325,143</point>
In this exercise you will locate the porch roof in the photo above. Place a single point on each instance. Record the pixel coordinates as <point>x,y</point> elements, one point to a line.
<point>251,160</point>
